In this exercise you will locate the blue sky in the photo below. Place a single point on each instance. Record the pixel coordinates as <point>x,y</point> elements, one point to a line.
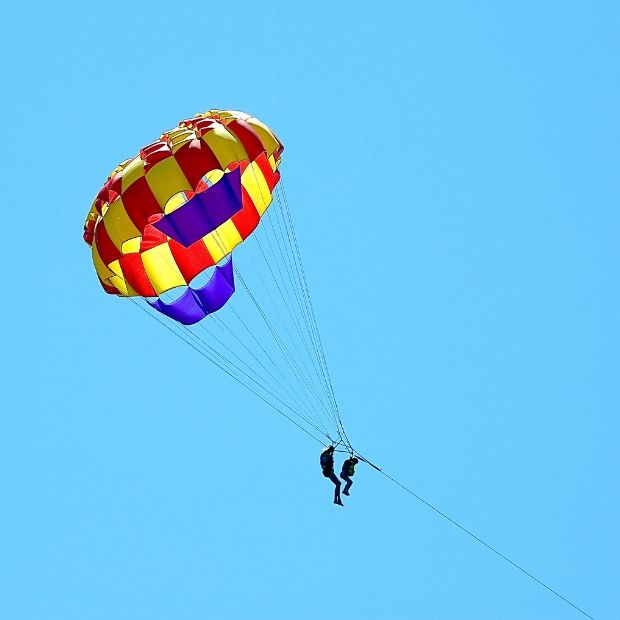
<point>453,173</point>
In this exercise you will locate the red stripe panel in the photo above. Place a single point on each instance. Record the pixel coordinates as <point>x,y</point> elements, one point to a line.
<point>154,153</point>
<point>248,138</point>
<point>136,277</point>
<point>203,125</point>
<point>107,250</point>
<point>196,159</point>
<point>140,203</point>
<point>103,196</point>
<point>89,235</point>
<point>247,219</point>
<point>154,149</point>
<point>191,260</point>
<point>271,177</point>
<point>114,188</point>
<point>151,236</point>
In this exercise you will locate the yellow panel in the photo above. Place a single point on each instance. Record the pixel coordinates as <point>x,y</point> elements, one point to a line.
<point>118,225</point>
<point>223,240</point>
<point>254,182</point>
<point>165,179</point>
<point>118,280</point>
<point>228,115</point>
<point>132,172</point>
<point>161,269</point>
<point>175,146</point>
<point>228,235</point>
<point>179,136</point>
<point>213,176</point>
<point>178,131</point>
<point>131,246</point>
<point>178,200</point>
<point>215,249</point>
<point>265,134</point>
<point>224,145</point>
<point>120,285</point>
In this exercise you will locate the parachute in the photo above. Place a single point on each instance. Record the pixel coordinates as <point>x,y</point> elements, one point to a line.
<point>163,229</point>
<point>154,225</point>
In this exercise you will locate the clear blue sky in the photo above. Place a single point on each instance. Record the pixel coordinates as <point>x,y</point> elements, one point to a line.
<point>462,158</point>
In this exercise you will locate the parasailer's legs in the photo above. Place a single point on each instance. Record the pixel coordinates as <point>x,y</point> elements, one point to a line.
<point>348,484</point>
<point>334,479</point>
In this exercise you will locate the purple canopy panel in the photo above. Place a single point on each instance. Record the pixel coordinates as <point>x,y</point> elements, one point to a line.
<point>185,309</point>
<point>218,290</point>
<point>205,211</point>
<point>195,304</point>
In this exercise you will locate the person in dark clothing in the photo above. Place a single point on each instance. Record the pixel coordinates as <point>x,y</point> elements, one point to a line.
<point>348,469</point>
<point>327,465</point>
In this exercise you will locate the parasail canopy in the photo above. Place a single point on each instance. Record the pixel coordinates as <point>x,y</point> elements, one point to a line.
<point>180,206</point>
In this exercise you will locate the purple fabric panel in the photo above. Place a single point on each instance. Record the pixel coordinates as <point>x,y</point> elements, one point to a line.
<point>205,211</point>
<point>185,309</point>
<point>195,304</point>
<point>227,272</point>
<point>218,290</point>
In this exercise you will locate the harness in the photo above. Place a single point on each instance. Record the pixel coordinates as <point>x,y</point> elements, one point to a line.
<point>348,467</point>
<point>327,460</point>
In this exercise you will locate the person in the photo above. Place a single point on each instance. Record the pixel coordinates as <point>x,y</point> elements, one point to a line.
<point>348,469</point>
<point>327,465</point>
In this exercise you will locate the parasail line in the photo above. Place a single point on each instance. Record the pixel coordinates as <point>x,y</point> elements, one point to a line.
<point>297,255</point>
<point>471,534</point>
<point>286,259</point>
<point>290,311</point>
<point>289,360</point>
<point>304,374</point>
<point>295,285</point>
<point>296,323</point>
<point>479,540</point>
<point>275,334</point>
<point>287,302</point>
<point>241,361</point>
<point>285,391</point>
<point>303,307</point>
<point>288,307</point>
<point>310,404</point>
<point>213,351</point>
<point>222,325</point>
<point>303,282</point>
<point>236,378</point>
